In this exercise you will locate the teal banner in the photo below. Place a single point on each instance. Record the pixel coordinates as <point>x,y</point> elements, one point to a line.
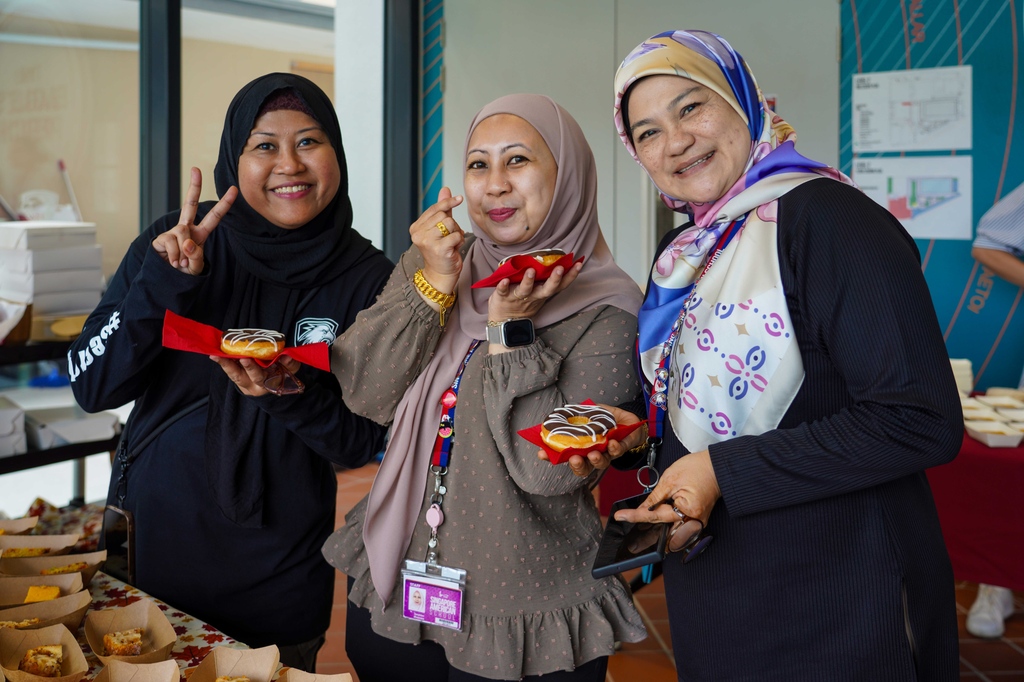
<point>979,313</point>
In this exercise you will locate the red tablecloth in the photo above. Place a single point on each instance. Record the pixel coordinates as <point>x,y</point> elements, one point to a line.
<point>980,498</point>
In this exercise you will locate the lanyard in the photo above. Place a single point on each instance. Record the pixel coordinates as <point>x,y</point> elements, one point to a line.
<point>657,404</point>
<point>658,401</point>
<point>446,427</point>
<point>442,454</point>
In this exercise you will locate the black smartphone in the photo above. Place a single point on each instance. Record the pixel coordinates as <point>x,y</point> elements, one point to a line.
<point>627,545</point>
<point>119,541</point>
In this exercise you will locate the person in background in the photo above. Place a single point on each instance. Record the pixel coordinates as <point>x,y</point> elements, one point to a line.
<point>231,487</point>
<point>798,389</point>
<point>999,246</point>
<point>457,372</point>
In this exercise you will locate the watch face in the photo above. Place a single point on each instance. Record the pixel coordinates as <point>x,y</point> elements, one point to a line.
<point>517,333</point>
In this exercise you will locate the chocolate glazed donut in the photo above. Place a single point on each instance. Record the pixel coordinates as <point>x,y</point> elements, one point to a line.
<point>577,426</point>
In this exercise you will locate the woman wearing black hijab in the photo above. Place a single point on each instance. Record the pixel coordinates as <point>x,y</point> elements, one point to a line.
<point>231,486</point>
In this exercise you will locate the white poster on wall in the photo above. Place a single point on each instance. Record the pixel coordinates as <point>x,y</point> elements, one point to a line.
<point>914,110</point>
<point>930,195</point>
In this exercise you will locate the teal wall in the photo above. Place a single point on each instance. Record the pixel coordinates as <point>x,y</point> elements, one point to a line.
<point>980,314</point>
<point>431,100</point>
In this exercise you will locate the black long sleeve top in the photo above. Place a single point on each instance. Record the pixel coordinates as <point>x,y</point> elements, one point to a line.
<point>264,585</point>
<point>828,560</point>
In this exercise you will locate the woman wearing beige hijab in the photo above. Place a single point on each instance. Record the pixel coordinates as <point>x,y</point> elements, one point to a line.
<point>462,510</point>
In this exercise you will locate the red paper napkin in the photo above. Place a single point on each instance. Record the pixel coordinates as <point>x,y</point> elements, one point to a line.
<point>181,333</point>
<point>532,434</point>
<point>516,266</point>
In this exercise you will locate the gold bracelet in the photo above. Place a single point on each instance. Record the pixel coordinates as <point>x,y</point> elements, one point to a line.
<point>639,448</point>
<point>445,301</point>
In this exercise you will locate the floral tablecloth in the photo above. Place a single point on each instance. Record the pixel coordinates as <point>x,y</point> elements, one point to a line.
<point>195,638</point>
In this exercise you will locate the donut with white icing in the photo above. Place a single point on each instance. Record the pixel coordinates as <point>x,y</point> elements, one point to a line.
<point>577,426</point>
<point>252,343</point>
<point>544,256</point>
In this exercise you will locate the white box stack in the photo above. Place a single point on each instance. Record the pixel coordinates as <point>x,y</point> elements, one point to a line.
<point>54,266</point>
<point>12,428</point>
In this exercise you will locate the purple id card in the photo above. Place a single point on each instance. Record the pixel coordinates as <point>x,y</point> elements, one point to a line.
<point>432,600</point>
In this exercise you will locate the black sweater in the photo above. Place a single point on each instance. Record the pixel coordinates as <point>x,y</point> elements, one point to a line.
<point>261,586</point>
<point>828,561</point>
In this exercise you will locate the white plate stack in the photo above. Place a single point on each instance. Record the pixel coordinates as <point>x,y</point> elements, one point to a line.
<point>56,267</point>
<point>963,374</point>
<point>12,429</point>
<point>995,420</point>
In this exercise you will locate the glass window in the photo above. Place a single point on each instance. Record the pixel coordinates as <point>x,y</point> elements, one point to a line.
<point>222,51</point>
<point>69,90</point>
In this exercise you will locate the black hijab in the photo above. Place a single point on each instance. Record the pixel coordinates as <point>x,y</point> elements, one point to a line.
<point>276,272</point>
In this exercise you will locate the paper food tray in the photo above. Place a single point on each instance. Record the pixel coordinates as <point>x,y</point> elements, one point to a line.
<point>1001,401</point>
<point>158,636</point>
<point>294,675</point>
<point>36,565</point>
<point>14,644</point>
<point>994,434</point>
<point>18,526</point>
<point>1011,414</point>
<point>259,665</point>
<point>54,544</point>
<point>121,671</point>
<point>982,414</point>
<point>13,589</point>
<point>1002,390</point>
<point>69,611</point>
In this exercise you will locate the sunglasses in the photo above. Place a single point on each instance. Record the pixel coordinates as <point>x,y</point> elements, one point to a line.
<point>280,381</point>
<point>696,543</point>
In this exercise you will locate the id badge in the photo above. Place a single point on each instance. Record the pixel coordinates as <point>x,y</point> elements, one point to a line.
<point>432,594</point>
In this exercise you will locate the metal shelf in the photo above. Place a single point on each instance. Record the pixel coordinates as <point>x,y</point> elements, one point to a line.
<point>38,458</point>
<point>35,352</point>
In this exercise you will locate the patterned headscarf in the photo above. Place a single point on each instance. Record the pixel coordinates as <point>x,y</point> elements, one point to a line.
<point>735,366</point>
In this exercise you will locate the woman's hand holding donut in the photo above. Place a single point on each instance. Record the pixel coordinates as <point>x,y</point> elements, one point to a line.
<point>182,245</point>
<point>525,299</point>
<point>439,238</point>
<point>248,376</point>
<point>583,466</point>
<point>689,485</point>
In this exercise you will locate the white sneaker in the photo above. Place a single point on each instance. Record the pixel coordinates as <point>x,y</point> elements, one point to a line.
<point>991,607</point>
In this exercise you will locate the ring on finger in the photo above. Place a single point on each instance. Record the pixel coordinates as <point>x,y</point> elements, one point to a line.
<point>443,229</point>
<point>515,292</point>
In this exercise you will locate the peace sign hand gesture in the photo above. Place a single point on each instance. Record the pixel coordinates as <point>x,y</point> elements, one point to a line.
<point>182,245</point>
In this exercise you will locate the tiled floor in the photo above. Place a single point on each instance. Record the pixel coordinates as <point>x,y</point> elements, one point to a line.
<point>651,660</point>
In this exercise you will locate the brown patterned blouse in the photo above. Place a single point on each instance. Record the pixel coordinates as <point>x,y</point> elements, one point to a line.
<point>526,531</point>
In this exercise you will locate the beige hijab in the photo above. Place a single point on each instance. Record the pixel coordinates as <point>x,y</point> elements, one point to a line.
<point>571,225</point>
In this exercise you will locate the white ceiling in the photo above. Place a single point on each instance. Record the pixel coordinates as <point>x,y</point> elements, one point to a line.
<point>197,24</point>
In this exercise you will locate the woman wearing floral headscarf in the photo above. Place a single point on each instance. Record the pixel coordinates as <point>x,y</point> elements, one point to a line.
<point>510,537</point>
<point>795,372</point>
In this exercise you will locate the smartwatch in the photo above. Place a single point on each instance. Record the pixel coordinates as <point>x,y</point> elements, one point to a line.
<point>511,333</point>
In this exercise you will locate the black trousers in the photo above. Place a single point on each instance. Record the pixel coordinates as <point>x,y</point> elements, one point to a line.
<point>379,659</point>
<point>301,656</point>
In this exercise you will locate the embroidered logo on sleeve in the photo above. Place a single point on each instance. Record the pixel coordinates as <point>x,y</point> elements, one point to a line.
<point>315,330</point>
<point>96,347</point>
